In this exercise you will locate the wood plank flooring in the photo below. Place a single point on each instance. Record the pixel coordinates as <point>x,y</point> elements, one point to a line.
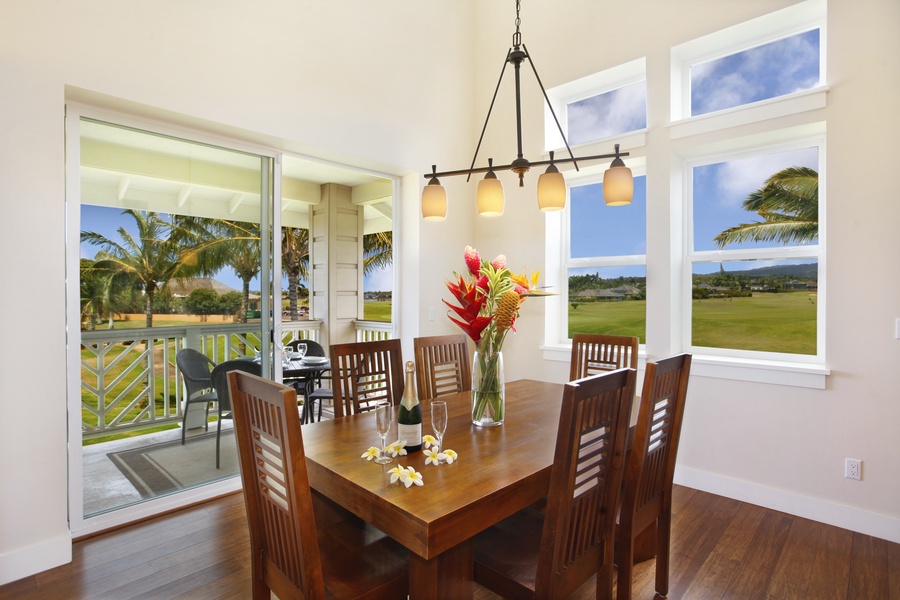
<point>721,549</point>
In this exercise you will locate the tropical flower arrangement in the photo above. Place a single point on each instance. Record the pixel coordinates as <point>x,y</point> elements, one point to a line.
<point>489,300</point>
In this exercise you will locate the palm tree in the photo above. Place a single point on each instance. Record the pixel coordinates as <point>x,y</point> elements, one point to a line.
<point>150,260</point>
<point>788,202</point>
<point>378,251</point>
<point>295,262</point>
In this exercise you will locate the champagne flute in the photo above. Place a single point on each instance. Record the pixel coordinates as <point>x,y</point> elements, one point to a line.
<point>439,421</point>
<point>383,414</point>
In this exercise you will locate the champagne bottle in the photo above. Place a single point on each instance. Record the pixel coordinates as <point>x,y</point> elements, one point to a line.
<point>409,419</point>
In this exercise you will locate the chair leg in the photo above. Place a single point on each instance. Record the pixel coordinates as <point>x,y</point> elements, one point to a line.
<point>184,423</point>
<point>605,574</point>
<point>218,436</point>
<point>663,531</point>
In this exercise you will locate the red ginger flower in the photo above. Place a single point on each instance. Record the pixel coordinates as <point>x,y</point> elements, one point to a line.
<point>473,261</point>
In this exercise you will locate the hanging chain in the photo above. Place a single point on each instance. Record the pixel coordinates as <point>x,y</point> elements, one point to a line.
<point>517,36</point>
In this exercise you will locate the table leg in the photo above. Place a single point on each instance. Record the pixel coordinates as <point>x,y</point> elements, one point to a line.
<point>448,576</point>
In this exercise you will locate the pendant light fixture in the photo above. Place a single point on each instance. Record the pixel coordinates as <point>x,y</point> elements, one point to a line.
<point>618,185</point>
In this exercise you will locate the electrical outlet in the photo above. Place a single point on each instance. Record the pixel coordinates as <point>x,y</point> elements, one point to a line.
<point>853,469</point>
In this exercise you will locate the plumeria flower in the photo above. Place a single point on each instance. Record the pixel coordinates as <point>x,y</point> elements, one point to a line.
<point>432,457</point>
<point>449,455</point>
<point>412,477</point>
<point>371,453</point>
<point>429,440</point>
<point>396,448</point>
<point>398,473</point>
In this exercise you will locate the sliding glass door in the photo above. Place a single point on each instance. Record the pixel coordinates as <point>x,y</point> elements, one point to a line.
<point>175,258</point>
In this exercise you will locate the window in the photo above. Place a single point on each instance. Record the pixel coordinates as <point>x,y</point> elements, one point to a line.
<point>748,304</point>
<point>605,115</point>
<point>606,265</point>
<point>759,73</point>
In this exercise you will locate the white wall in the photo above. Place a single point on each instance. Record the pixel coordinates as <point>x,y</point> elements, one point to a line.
<point>396,85</point>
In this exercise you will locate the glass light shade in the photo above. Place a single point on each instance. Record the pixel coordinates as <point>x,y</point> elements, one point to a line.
<point>618,185</point>
<point>490,196</point>
<point>551,190</point>
<point>434,201</point>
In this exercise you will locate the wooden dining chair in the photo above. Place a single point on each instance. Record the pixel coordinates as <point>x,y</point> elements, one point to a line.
<point>594,353</point>
<point>646,510</point>
<point>290,555</point>
<point>443,365</point>
<point>364,374</point>
<point>550,554</point>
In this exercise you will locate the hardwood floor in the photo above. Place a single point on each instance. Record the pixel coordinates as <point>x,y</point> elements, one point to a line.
<point>721,548</point>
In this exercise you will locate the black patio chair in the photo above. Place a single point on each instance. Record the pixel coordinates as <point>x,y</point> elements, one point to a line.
<point>195,369</point>
<point>220,384</point>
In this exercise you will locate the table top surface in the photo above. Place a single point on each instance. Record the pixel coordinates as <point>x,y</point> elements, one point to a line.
<point>500,470</point>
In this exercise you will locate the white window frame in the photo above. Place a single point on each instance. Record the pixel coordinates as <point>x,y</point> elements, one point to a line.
<point>811,251</point>
<point>771,27</point>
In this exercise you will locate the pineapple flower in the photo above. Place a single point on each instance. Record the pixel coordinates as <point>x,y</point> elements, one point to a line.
<point>429,440</point>
<point>450,455</point>
<point>396,448</point>
<point>371,453</point>
<point>432,457</point>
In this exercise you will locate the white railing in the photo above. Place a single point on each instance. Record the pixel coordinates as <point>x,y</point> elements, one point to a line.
<point>371,331</point>
<point>129,379</point>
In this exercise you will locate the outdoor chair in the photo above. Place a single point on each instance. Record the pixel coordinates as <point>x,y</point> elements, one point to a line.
<point>220,384</point>
<point>645,517</point>
<point>551,553</point>
<point>366,373</point>
<point>291,554</point>
<point>443,365</point>
<point>313,391</point>
<point>195,369</point>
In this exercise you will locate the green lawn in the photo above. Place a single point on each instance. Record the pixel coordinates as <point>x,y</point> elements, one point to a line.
<point>764,322</point>
<point>377,311</point>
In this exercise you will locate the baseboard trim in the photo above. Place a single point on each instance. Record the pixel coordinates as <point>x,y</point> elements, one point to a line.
<point>23,562</point>
<point>840,515</point>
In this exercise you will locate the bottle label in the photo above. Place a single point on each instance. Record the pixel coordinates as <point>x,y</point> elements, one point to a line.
<point>411,433</point>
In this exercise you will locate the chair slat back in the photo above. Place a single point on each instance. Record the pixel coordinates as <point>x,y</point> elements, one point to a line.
<point>366,373</point>
<point>651,463</point>
<point>284,546</point>
<point>584,485</point>
<point>595,353</point>
<point>443,365</point>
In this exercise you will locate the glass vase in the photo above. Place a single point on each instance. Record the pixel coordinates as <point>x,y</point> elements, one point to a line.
<point>488,389</point>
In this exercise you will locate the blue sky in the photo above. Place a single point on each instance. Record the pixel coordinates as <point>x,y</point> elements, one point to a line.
<point>107,221</point>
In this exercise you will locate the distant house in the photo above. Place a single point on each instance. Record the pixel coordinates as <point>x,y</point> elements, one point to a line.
<point>599,295</point>
<point>182,288</point>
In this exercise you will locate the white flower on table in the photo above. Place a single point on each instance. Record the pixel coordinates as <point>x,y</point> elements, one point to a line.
<point>432,457</point>
<point>371,453</point>
<point>450,455</point>
<point>396,448</point>
<point>429,440</point>
<point>413,477</point>
<point>408,475</point>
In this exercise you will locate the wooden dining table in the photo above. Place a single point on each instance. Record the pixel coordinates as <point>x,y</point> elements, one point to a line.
<point>500,470</point>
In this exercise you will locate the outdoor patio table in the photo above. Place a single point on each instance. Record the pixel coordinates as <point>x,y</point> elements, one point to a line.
<point>500,470</point>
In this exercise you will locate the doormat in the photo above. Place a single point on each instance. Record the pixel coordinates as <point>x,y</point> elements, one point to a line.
<point>168,467</point>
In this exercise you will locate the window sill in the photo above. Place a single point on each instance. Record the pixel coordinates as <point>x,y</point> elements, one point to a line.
<point>737,369</point>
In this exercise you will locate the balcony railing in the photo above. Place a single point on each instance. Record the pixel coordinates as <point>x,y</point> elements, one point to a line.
<point>129,379</point>
<point>371,331</point>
